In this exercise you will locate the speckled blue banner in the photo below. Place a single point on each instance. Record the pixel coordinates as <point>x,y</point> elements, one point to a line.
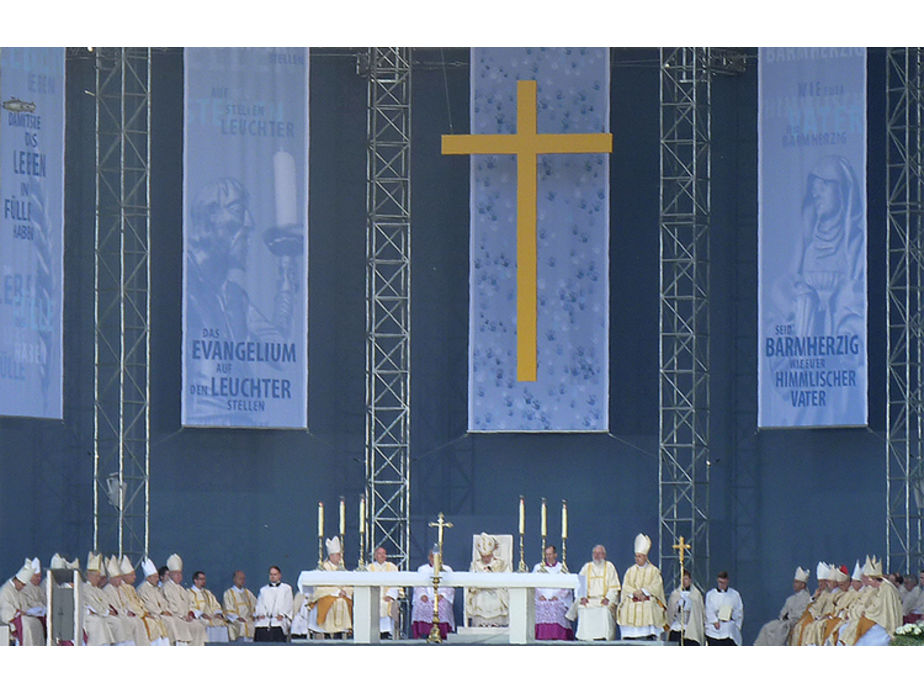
<point>571,392</point>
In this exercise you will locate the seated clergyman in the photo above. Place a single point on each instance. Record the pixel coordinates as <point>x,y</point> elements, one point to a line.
<point>487,607</point>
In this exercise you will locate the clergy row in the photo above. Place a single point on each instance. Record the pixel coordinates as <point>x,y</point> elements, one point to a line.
<point>112,612</point>
<point>858,608</point>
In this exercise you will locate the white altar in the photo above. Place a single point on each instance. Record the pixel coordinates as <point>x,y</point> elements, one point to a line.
<point>367,588</point>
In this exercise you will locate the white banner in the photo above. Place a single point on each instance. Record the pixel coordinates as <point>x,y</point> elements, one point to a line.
<point>812,302</point>
<point>31,231</point>
<point>245,246</point>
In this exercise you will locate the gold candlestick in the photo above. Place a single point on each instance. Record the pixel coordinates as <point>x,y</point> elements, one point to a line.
<point>361,564</point>
<point>434,638</point>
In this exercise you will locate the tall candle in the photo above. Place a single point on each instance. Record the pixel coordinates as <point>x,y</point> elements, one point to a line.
<point>342,516</point>
<point>522,516</point>
<point>564,520</point>
<point>542,517</point>
<point>321,519</point>
<point>362,514</point>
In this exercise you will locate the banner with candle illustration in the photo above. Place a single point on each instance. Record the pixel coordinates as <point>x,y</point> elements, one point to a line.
<point>31,231</point>
<point>245,245</point>
<point>539,296</point>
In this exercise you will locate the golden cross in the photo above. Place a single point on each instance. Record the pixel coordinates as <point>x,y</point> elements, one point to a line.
<point>440,524</point>
<point>526,144</point>
<point>681,547</point>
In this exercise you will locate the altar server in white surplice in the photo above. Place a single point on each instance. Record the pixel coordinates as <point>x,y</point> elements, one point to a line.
<point>596,612</point>
<point>724,613</point>
<point>552,603</point>
<point>777,632</point>
<point>273,613</point>
<point>422,604</point>
<point>686,604</point>
<point>238,604</point>
<point>27,629</point>
<point>388,605</point>
<point>640,614</point>
<point>487,607</point>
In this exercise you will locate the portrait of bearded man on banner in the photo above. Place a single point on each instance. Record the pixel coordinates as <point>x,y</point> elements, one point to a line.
<point>218,303</point>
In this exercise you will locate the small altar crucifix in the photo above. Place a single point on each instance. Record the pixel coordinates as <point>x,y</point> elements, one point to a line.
<point>440,524</point>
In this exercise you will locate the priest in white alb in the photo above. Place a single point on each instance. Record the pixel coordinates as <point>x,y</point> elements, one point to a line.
<point>207,610</point>
<point>777,631</point>
<point>596,610</point>
<point>331,606</point>
<point>552,603</point>
<point>388,604</point>
<point>640,614</point>
<point>686,612</point>
<point>422,603</point>
<point>238,604</point>
<point>487,607</point>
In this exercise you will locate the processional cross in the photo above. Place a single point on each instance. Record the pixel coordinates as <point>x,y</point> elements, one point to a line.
<point>681,546</point>
<point>440,524</point>
<point>526,144</point>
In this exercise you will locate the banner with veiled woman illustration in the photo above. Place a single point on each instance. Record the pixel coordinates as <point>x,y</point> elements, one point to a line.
<point>812,301</point>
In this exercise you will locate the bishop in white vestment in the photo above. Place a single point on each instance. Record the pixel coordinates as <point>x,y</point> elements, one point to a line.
<point>487,607</point>
<point>27,629</point>
<point>777,632</point>
<point>640,613</point>
<point>179,601</point>
<point>331,606</point>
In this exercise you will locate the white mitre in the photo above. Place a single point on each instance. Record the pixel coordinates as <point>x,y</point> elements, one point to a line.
<point>857,571</point>
<point>72,565</point>
<point>822,570</point>
<point>126,565</point>
<point>801,575</point>
<point>25,573</point>
<point>94,562</point>
<point>36,566</point>
<point>112,567</point>
<point>57,562</point>
<point>872,567</point>
<point>174,562</point>
<point>148,567</point>
<point>486,544</point>
<point>642,544</point>
<point>333,545</point>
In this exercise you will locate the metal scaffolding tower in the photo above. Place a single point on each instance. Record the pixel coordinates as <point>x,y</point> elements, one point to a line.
<point>904,328</point>
<point>388,300</point>
<point>122,355</point>
<point>683,386</point>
